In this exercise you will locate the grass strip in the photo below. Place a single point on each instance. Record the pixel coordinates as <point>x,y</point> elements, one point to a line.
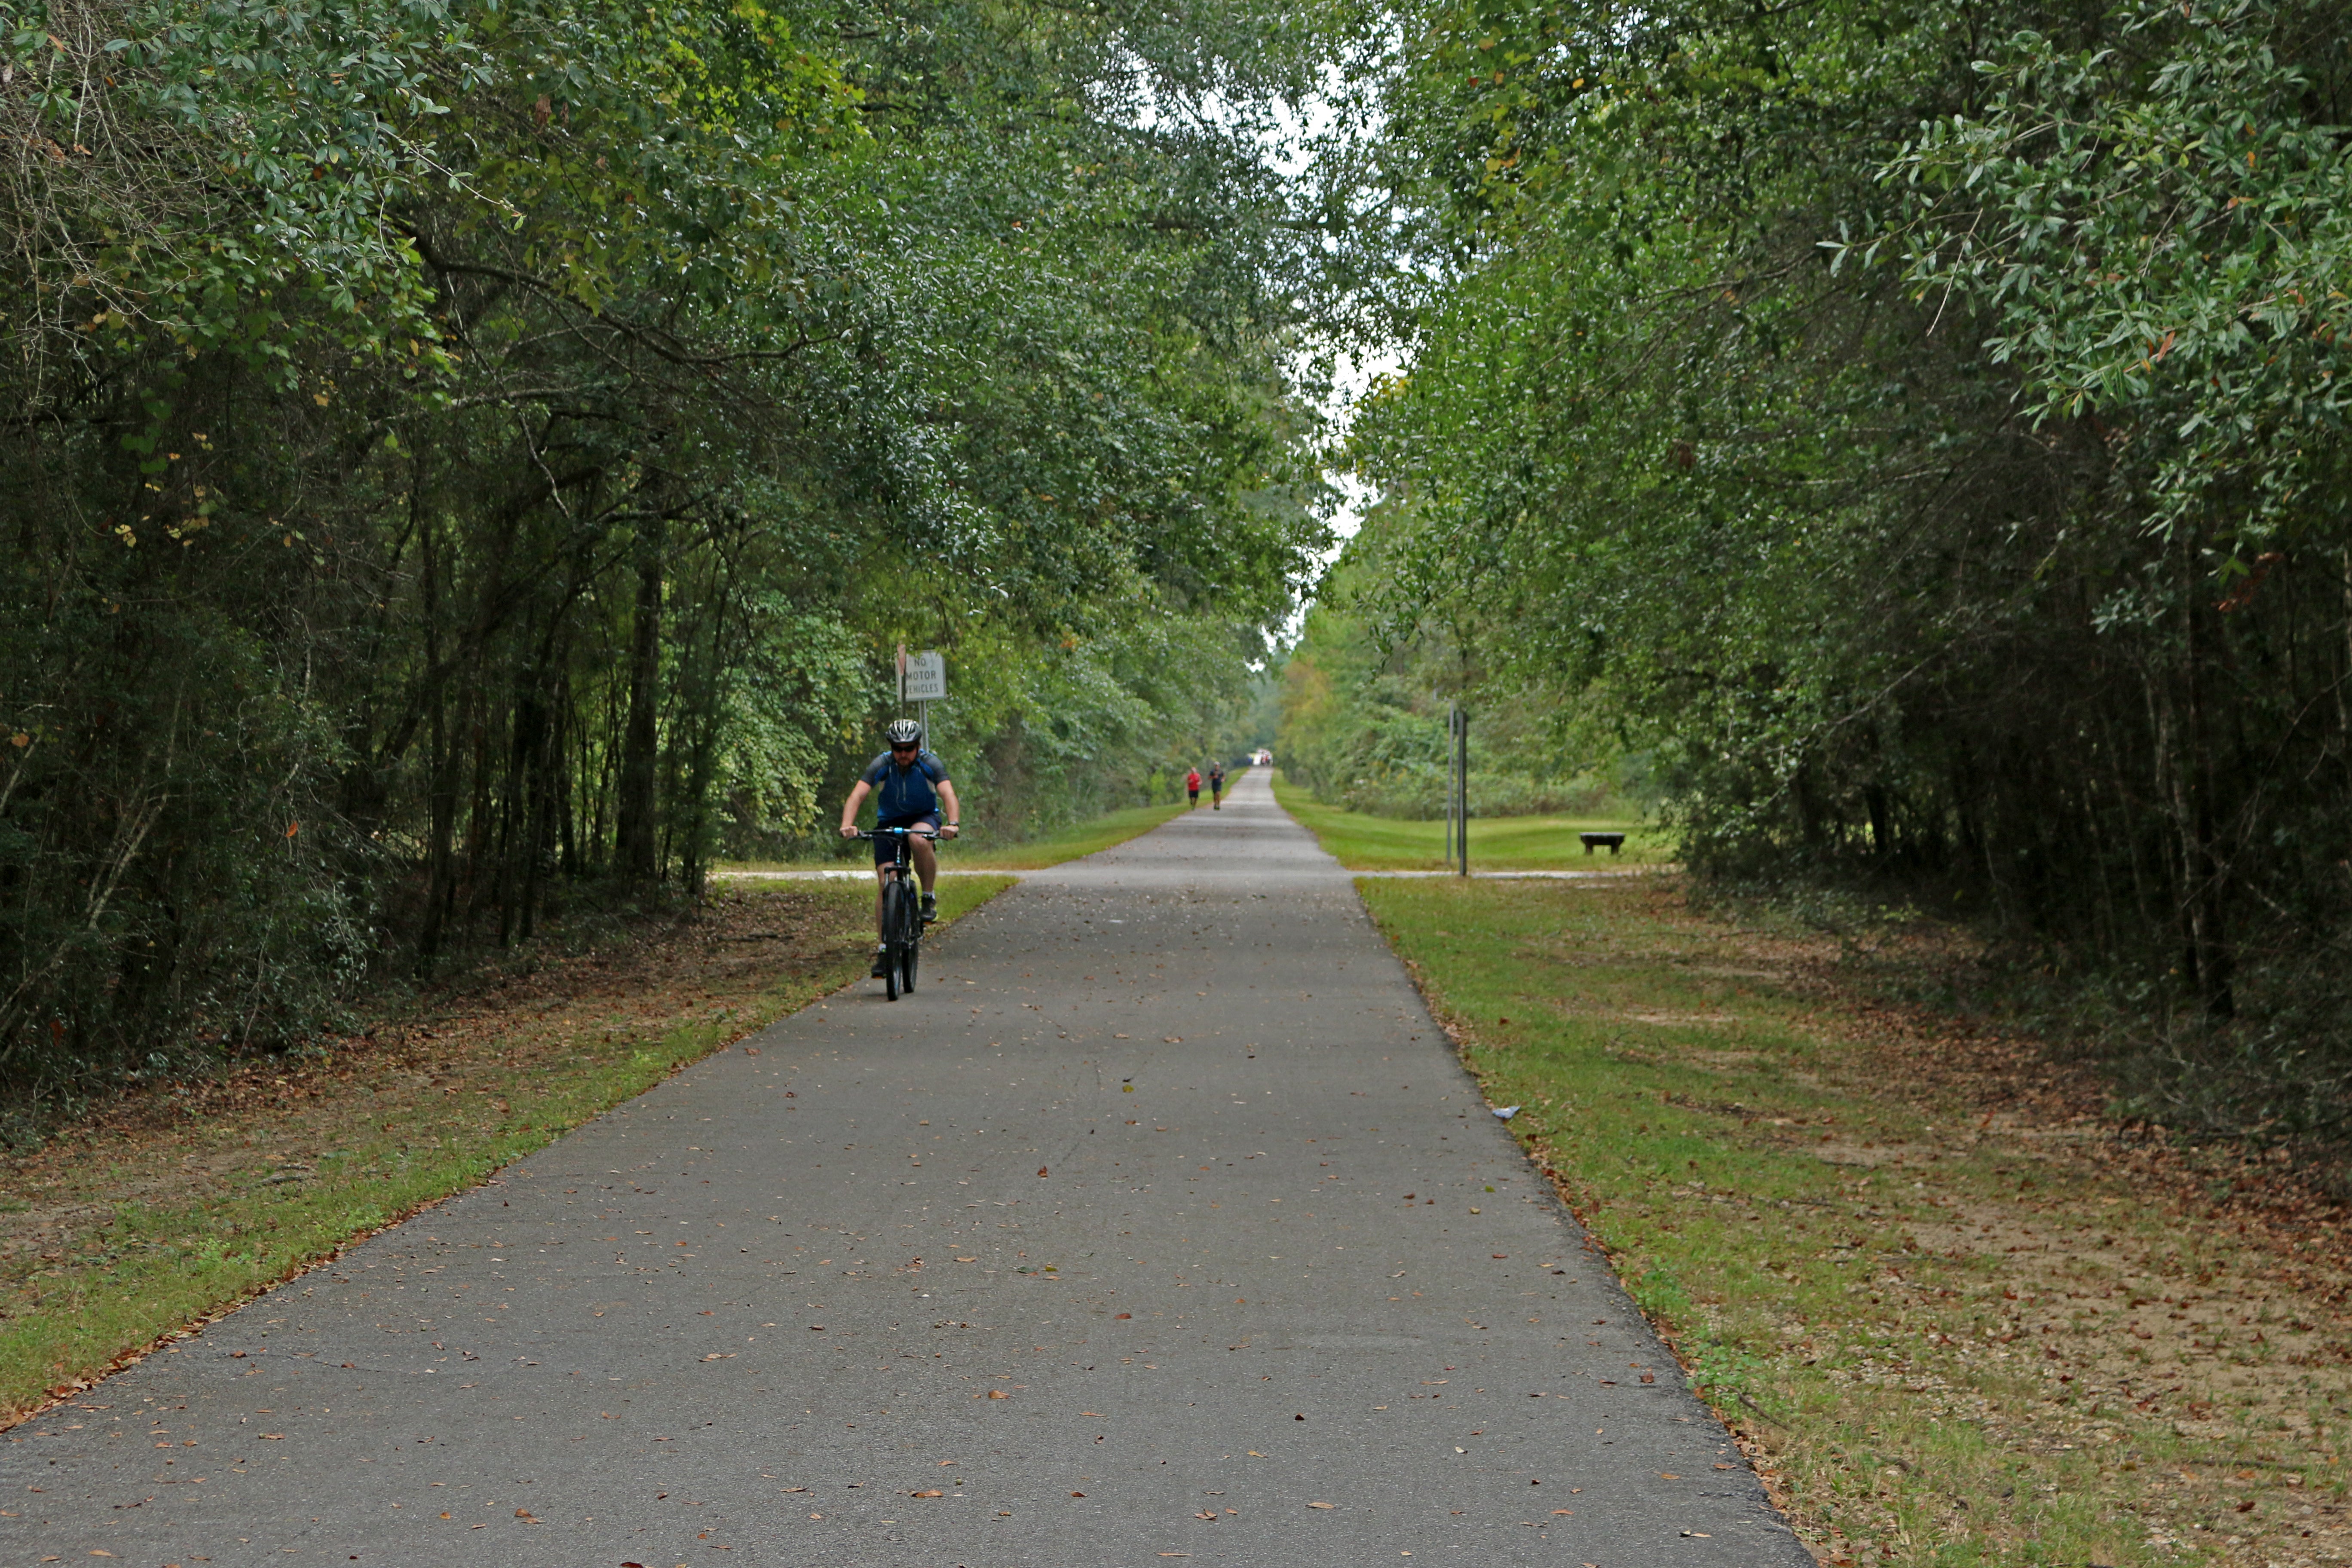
<point>1946,1332</point>
<point>1365,843</point>
<point>1105,832</point>
<point>171,1208</point>
<point>975,852</point>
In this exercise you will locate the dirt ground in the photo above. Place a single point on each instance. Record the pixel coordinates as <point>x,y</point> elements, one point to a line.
<point>2204,1290</point>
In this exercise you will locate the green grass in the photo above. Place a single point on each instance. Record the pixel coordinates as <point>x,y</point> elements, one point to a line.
<point>1087,838</point>
<point>1365,843</point>
<point>123,1266</point>
<point>1736,1144</point>
<point>974,852</point>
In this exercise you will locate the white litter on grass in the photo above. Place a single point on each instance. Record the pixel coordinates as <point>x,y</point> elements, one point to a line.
<point>1504,1112</point>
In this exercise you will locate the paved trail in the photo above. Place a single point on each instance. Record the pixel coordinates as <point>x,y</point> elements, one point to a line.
<point>1158,1223</point>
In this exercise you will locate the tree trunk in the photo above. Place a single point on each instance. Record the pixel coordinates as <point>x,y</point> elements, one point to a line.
<point>636,845</point>
<point>441,786</point>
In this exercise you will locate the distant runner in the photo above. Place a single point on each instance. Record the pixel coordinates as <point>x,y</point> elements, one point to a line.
<point>1192,787</point>
<point>1216,786</point>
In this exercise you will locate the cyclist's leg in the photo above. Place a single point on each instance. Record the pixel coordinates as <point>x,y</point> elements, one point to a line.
<point>926,857</point>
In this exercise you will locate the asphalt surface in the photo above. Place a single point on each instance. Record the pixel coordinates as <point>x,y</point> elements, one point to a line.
<point>1160,1221</point>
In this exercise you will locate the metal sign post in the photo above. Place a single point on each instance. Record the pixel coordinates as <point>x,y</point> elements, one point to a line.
<point>1457,802</point>
<point>1453,718</point>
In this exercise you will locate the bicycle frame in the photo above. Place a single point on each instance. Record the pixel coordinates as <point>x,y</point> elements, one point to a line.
<point>903,862</point>
<point>902,924</point>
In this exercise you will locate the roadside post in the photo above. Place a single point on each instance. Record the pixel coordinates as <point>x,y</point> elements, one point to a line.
<point>1462,771</point>
<point>1458,789</point>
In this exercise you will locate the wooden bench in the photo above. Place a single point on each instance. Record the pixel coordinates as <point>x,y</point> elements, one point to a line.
<point>1592,841</point>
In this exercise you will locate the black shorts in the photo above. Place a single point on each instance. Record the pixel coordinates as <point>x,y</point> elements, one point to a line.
<point>885,845</point>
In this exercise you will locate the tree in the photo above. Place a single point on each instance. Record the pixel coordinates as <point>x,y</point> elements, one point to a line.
<point>472,457</point>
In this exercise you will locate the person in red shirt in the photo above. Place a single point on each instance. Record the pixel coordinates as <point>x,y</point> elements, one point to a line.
<point>1192,785</point>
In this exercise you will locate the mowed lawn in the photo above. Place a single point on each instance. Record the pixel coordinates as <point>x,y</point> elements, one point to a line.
<point>978,851</point>
<point>1105,832</point>
<point>1363,843</point>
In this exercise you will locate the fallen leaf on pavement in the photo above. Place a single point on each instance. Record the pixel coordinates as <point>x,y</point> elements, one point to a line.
<point>933,1492</point>
<point>1322,1505</point>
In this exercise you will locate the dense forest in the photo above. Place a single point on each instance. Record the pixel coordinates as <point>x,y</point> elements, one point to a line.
<point>461,457</point>
<point>1913,435</point>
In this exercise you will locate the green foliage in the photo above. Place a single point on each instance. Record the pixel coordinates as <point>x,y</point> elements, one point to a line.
<point>1364,720</point>
<point>1917,430</point>
<point>217,171</point>
<point>475,456</point>
<point>2159,230</point>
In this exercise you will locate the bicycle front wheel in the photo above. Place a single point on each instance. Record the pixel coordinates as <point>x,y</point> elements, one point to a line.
<point>894,903</point>
<point>910,946</point>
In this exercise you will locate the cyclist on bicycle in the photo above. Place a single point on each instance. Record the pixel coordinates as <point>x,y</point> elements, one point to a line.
<point>912,784</point>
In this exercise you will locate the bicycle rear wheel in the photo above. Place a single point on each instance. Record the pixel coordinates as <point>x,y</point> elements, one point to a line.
<point>895,901</point>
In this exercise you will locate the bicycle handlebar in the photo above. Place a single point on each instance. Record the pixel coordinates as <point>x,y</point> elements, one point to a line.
<point>931,833</point>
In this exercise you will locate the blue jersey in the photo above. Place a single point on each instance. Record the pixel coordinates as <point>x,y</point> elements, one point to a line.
<point>901,794</point>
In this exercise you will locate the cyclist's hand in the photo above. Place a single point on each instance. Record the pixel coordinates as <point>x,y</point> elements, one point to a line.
<point>850,830</point>
<point>949,830</point>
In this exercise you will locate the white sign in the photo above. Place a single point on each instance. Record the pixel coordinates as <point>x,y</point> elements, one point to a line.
<point>922,677</point>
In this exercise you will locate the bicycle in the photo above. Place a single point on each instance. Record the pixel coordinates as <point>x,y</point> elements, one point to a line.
<point>902,912</point>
